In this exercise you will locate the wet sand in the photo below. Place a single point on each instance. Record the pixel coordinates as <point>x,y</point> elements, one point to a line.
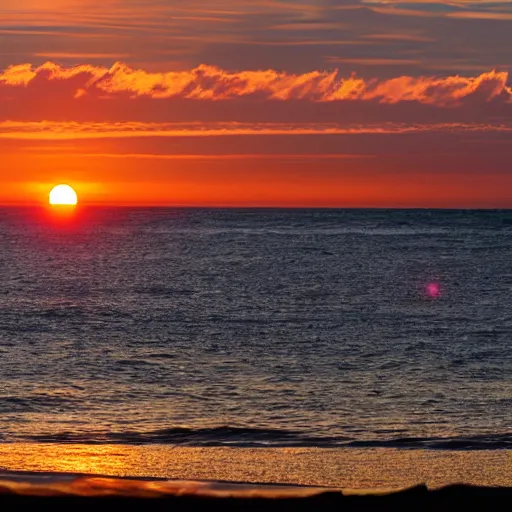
<point>346,469</point>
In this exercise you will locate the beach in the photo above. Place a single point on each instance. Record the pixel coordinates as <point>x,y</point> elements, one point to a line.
<point>384,469</point>
<point>239,479</point>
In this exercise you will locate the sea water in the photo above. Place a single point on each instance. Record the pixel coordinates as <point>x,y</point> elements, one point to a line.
<point>249,327</point>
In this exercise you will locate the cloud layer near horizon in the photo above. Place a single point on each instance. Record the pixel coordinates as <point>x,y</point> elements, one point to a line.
<point>212,83</point>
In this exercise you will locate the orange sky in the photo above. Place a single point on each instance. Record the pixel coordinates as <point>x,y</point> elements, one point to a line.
<point>251,181</point>
<point>281,103</point>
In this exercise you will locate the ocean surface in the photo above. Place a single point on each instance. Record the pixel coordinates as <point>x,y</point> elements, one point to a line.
<point>255,328</point>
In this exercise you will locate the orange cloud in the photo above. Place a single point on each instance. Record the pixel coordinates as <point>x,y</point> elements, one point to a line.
<point>214,84</point>
<point>440,91</point>
<point>24,74</point>
<point>71,130</point>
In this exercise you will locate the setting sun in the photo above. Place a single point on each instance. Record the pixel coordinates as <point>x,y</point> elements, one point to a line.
<point>63,195</point>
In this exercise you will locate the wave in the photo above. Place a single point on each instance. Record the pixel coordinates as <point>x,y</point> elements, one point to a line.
<point>270,438</point>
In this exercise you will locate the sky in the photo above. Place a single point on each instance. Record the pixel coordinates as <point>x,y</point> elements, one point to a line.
<point>332,103</point>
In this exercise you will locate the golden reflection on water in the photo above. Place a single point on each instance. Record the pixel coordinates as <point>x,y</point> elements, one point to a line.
<point>342,468</point>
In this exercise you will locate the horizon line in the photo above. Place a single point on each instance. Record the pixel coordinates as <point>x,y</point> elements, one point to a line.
<point>254,207</point>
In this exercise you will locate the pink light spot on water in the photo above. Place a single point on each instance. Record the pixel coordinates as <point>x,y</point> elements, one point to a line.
<point>433,290</point>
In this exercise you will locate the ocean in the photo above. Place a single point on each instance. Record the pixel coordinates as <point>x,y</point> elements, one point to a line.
<point>256,328</point>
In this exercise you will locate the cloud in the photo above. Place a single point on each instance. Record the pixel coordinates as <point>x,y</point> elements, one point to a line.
<point>54,131</point>
<point>482,15</point>
<point>209,157</point>
<point>441,91</point>
<point>209,83</point>
<point>25,74</point>
<point>80,56</point>
<point>374,62</point>
<point>460,3</point>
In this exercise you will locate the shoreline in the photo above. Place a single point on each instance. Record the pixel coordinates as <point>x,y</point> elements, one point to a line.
<point>341,468</point>
<point>19,491</point>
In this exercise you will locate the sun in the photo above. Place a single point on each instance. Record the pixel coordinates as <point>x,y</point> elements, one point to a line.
<point>63,195</point>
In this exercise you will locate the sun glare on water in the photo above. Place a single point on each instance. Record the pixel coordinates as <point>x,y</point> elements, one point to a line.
<point>63,195</point>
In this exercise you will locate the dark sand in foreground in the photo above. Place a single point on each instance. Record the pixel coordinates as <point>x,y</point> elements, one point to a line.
<point>340,468</point>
